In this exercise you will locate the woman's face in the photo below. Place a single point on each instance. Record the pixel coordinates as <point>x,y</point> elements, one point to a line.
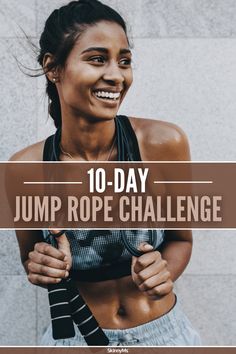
<point>97,73</point>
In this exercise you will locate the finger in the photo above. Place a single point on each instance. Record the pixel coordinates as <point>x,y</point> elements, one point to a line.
<point>47,271</point>
<point>45,248</point>
<point>134,260</point>
<point>154,269</point>
<point>145,247</point>
<point>160,290</point>
<point>43,259</point>
<point>145,260</point>
<point>37,279</point>
<point>154,281</point>
<point>63,244</point>
<point>56,232</point>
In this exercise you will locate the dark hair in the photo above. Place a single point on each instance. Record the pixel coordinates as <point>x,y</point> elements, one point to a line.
<point>62,28</point>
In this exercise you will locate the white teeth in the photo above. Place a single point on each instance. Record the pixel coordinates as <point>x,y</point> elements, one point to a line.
<point>110,95</point>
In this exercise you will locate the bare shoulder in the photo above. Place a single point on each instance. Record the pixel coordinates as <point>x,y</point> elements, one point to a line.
<point>30,153</point>
<point>160,141</point>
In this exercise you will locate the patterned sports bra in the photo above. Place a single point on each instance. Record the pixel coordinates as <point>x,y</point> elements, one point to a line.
<point>99,255</point>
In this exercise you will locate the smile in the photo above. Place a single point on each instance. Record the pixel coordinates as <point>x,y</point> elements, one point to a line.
<point>107,96</point>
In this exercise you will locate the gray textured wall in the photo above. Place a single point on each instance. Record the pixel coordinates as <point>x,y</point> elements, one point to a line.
<point>185,72</point>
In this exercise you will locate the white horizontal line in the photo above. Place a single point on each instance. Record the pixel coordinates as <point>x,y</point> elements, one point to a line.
<point>120,162</point>
<point>53,182</point>
<point>58,318</point>
<point>53,291</point>
<point>184,182</point>
<point>120,228</point>
<point>59,303</point>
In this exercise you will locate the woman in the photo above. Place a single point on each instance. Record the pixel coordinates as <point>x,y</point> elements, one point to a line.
<point>85,55</point>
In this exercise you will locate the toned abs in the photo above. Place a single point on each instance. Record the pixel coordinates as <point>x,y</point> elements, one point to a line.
<point>120,304</point>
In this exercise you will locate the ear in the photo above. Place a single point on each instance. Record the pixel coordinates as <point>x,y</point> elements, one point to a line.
<point>52,74</point>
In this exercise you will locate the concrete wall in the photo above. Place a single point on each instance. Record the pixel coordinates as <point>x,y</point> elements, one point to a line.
<point>185,72</point>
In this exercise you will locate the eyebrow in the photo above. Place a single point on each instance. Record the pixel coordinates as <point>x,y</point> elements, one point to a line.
<point>105,50</point>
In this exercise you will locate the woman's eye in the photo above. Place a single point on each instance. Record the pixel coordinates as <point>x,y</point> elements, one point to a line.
<point>125,61</point>
<point>101,60</point>
<point>97,59</point>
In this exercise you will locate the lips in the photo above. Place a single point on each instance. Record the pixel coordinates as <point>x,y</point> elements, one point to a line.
<point>111,96</point>
<point>107,95</point>
<point>107,101</point>
<point>113,89</point>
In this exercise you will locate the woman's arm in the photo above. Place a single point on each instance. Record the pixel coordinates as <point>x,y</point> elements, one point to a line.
<point>43,263</point>
<point>176,250</point>
<point>177,247</point>
<point>155,272</point>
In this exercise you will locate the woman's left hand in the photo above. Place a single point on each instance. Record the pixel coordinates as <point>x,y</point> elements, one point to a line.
<point>150,273</point>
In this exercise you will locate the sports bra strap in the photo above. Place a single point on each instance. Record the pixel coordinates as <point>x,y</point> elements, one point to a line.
<point>130,137</point>
<point>48,149</point>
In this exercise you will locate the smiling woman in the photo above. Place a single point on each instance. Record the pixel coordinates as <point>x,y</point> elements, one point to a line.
<point>86,59</point>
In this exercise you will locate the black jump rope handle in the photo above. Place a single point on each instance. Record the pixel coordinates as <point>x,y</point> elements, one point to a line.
<point>62,324</point>
<point>68,306</point>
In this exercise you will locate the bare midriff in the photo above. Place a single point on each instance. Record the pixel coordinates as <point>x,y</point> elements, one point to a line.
<point>120,304</point>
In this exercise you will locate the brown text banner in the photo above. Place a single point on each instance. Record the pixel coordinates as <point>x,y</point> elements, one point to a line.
<point>166,195</point>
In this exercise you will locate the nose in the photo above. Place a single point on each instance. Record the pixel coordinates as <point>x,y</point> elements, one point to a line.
<point>113,73</point>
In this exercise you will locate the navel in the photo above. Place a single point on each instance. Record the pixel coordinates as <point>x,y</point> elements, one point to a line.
<point>121,311</point>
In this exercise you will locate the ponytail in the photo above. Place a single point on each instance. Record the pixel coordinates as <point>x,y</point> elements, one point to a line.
<point>54,106</point>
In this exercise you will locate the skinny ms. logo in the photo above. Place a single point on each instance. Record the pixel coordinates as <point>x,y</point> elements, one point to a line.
<point>114,350</point>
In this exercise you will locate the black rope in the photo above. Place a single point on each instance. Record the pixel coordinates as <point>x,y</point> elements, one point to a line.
<point>133,250</point>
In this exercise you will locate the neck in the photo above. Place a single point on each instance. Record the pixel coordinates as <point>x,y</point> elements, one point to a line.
<point>88,140</point>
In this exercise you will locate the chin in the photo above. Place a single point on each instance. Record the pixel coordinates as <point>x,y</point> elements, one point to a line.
<point>106,115</point>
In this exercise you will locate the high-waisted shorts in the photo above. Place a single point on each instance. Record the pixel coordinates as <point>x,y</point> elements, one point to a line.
<point>171,329</point>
